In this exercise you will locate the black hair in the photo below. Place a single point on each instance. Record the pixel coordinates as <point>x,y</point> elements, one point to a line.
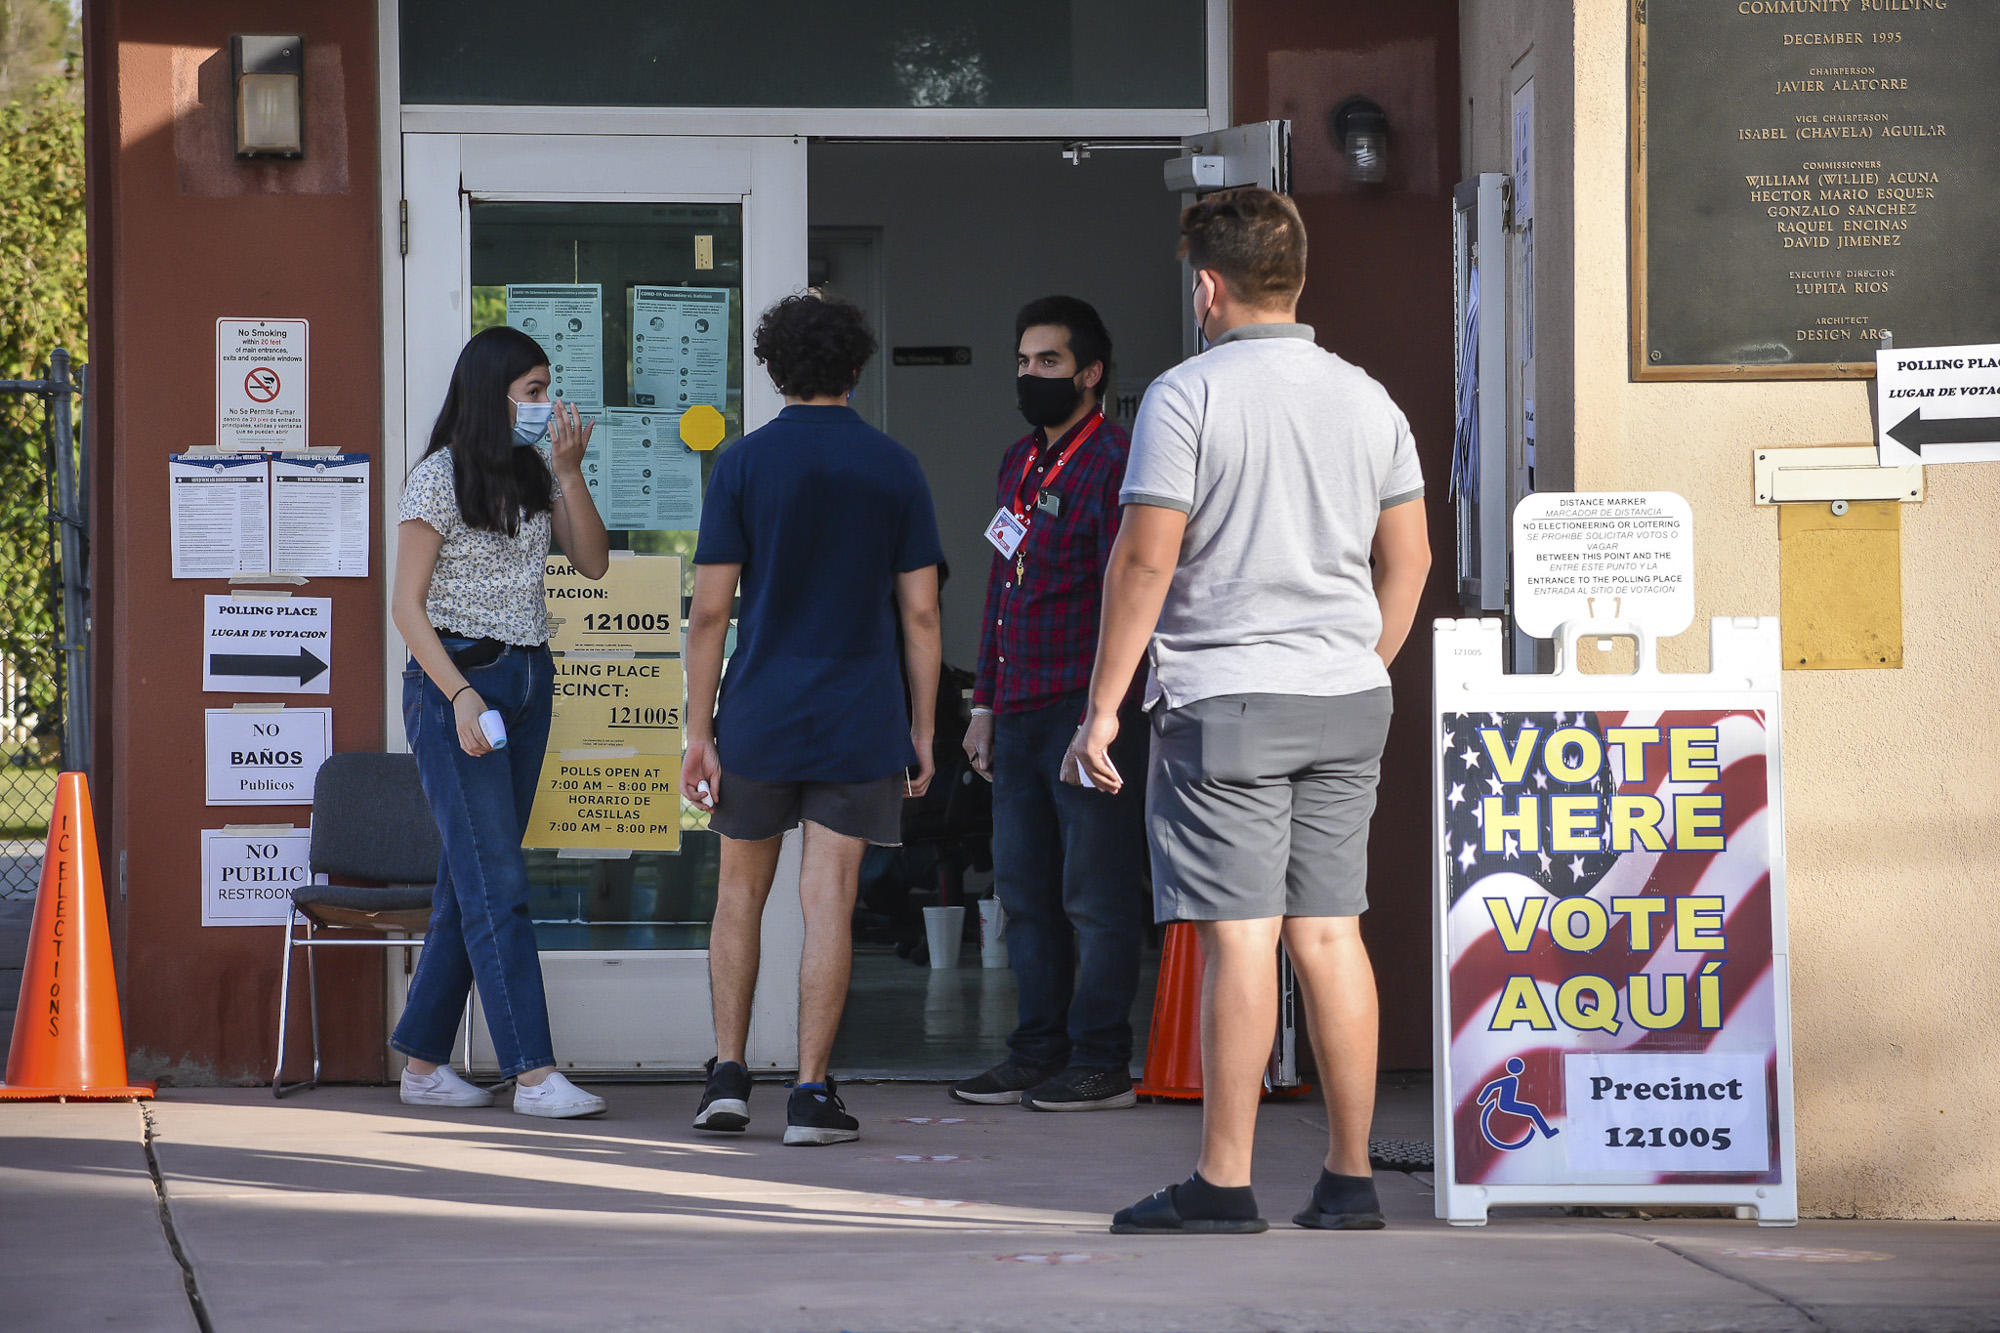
<point>814,346</point>
<point>496,482</point>
<point>1089,340</point>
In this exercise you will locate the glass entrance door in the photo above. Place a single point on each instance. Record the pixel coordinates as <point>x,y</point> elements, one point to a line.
<point>639,263</point>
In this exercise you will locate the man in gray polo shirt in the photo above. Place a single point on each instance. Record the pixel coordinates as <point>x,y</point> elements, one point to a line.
<point>1271,556</point>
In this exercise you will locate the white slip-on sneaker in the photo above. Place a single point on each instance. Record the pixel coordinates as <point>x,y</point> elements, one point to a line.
<point>556,1098</point>
<point>443,1087</point>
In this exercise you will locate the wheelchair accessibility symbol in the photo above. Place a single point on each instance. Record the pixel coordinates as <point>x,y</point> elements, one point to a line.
<point>1503,1094</point>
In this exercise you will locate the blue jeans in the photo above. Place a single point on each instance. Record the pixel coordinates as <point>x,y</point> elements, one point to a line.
<point>1070,868</point>
<point>479,918</point>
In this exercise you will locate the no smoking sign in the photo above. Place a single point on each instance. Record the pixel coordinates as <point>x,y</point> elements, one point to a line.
<point>261,382</point>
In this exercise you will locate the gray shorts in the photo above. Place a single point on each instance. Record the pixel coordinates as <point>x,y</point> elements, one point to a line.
<point>751,811</point>
<point>1257,805</point>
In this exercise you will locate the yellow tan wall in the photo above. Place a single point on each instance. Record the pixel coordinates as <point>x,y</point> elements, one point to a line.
<point>1892,777</point>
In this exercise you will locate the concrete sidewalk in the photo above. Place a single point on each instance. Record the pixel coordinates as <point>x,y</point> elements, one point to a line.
<point>341,1209</point>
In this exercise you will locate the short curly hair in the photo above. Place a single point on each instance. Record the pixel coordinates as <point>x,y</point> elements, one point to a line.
<point>814,346</point>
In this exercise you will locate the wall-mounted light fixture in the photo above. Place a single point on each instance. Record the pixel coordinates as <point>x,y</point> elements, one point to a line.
<point>270,101</point>
<point>1360,128</point>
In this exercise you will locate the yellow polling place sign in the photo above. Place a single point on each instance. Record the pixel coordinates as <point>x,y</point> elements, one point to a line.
<point>612,776</point>
<point>629,804</point>
<point>632,704</point>
<point>634,608</point>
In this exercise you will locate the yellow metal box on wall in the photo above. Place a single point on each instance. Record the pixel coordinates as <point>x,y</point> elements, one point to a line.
<point>1840,578</point>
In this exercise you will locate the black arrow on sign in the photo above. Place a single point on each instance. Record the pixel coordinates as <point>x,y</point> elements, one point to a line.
<point>1913,432</point>
<point>301,664</point>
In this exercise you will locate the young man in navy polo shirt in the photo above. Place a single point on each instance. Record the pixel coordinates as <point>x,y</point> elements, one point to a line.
<point>1069,865</point>
<point>826,524</point>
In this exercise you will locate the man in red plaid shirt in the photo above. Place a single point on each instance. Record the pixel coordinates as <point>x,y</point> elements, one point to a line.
<point>1069,865</point>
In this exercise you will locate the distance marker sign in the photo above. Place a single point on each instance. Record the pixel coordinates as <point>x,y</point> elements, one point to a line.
<point>1624,554</point>
<point>1938,404</point>
<point>267,645</point>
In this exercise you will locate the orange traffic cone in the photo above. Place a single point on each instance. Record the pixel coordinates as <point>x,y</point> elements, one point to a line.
<point>68,1040</point>
<point>1173,1045</point>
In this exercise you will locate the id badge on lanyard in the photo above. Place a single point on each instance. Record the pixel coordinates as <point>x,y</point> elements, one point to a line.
<point>1006,532</point>
<point>1008,529</point>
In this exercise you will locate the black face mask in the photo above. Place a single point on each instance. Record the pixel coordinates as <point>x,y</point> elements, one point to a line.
<point>1044,401</point>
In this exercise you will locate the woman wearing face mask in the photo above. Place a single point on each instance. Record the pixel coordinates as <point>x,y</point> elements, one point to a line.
<point>477,517</point>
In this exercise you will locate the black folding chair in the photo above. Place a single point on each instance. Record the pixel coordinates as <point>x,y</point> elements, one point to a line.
<point>370,822</point>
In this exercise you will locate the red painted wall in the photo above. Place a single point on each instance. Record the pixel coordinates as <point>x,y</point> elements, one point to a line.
<point>1378,292</point>
<point>181,234</point>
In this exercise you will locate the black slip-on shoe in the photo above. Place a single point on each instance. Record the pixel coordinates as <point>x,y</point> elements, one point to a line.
<point>1080,1089</point>
<point>1158,1215</point>
<point>815,1117</point>
<point>725,1102</point>
<point>1339,1203</point>
<point>1001,1085</point>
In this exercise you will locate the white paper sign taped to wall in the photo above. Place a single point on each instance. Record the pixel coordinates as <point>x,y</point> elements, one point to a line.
<point>261,755</point>
<point>1627,555</point>
<point>248,873</point>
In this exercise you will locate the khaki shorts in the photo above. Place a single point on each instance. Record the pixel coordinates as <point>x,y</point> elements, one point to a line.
<point>1257,805</point>
<point>751,811</point>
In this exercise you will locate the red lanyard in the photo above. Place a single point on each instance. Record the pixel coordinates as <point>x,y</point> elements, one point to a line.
<point>1088,429</point>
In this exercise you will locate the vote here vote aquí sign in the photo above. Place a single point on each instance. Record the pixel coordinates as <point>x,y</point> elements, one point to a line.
<point>1611,949</point>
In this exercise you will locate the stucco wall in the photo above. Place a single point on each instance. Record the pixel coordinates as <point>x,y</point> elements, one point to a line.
<point>1892,777</point>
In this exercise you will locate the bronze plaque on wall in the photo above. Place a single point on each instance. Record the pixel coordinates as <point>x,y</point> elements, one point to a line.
<point>1808,175</point>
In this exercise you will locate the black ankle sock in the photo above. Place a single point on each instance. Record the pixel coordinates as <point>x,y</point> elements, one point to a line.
<point>1195,1198</point>
<point>1345,1194</point>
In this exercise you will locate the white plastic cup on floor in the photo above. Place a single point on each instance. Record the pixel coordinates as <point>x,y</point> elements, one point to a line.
<point>945,928</point>
<point>992,933</point>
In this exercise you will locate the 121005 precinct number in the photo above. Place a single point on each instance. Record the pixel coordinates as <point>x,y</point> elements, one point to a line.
<point>1674,1136</point>
<point>630,622</point>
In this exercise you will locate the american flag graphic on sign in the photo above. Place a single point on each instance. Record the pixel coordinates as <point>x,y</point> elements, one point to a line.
<point>1609,938</point>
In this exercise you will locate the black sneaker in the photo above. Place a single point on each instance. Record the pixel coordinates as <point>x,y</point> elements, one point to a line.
<point>816,1116</point>
<point>1001,1085</point>
<point>1080,1089</point>
<point>725,1102</point>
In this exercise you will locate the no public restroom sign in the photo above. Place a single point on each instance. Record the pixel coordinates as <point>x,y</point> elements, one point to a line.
<point>1612,994</point>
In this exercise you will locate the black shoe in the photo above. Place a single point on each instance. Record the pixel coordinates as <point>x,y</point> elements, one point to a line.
<point>1080,1089</point>
<point>725,1102</point>
<point>1192,1208</point>
<point>816,1116</point>
<point>1342,1203</point>
<point>1001,1085</point>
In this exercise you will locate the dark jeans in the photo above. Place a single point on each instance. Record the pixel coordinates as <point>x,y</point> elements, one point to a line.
<point>1069,865</point>
<point>479,918</point>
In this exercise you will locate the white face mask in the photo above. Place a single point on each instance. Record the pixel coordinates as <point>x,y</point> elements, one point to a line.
<point>531,421</point>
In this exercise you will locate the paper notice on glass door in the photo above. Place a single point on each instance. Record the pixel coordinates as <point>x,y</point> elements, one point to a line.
<point>319,516</point>
<point>567,319</point>
<point>680,348</point>
<point>221,514</point>
<point>640,475</point>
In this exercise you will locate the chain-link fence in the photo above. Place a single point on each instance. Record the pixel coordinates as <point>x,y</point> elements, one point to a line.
<point>43,559</point>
